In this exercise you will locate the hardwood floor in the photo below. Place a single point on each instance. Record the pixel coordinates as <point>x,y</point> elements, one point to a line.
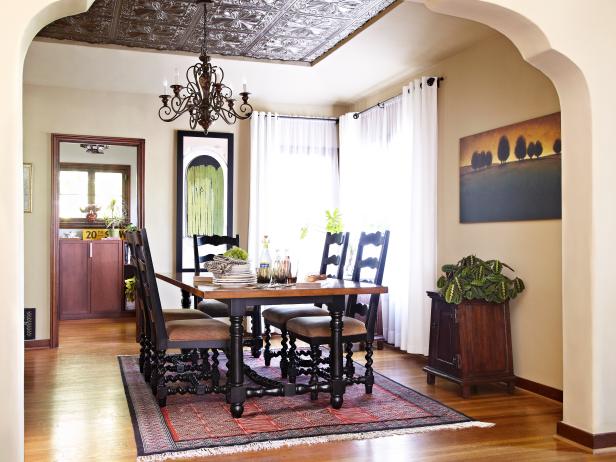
<point>75,410</point>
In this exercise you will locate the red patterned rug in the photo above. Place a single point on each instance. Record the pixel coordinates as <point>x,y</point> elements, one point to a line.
<point>193,426</point>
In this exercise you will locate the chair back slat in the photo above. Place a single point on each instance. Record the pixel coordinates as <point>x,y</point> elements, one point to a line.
<point>337,260</point>
<point>146,280</point>
<point>213,240</point>
<point>369,311</point>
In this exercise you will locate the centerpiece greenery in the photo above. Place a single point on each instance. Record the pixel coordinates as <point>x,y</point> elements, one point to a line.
<point>236,253</point>
<point>130,286</point>
<point>474,279</point>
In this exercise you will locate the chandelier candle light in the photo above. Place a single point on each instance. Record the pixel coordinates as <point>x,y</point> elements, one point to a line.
<point>205,97</point>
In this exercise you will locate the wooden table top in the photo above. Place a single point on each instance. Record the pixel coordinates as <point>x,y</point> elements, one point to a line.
<point>328,287</point>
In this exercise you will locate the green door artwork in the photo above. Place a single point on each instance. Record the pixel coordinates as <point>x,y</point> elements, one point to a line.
<point>205,201</point>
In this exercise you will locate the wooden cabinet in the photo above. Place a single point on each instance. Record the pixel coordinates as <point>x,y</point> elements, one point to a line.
<point>91,280</point>
<point>470,343</point>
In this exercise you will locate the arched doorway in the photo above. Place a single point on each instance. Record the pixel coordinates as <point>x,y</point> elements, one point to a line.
<point>587,226</point>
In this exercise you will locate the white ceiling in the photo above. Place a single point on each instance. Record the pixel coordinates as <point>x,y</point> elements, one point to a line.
<point>404,41</point>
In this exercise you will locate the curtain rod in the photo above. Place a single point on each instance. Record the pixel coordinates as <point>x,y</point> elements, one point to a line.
<point>381,104</point>
<point>286,116</point>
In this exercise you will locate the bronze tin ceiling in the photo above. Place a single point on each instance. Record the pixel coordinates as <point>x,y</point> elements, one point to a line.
<point>287,30</point>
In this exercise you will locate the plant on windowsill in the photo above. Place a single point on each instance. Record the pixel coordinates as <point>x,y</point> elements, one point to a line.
<point>474,279</point>
<point>334,221</point>
<point>114,220</point>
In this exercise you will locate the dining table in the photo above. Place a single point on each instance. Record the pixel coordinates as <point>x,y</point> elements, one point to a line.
<point>329,292</point>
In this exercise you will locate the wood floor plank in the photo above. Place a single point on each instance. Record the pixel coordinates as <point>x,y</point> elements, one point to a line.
<point>75,410</point>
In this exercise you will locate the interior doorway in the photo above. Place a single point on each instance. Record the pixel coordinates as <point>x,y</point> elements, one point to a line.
<point>97,191</point>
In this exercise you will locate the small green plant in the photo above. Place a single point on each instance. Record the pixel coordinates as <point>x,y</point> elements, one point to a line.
<point>474,279</point>
<point>303,232</point>
<point>115,219</point>
<point>129,228</point>
<point>236,253</point>
<point>334,221</point>
<point>130,286</point>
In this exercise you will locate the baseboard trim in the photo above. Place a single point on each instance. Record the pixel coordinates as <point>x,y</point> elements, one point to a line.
<point>592,441</point>
<point>539,388</point>
<point>37,344</point>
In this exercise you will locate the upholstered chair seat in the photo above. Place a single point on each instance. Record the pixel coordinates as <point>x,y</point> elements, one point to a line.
<point>174,314</point>
<point>319,326</point>
<point>196,329</point>
<point>280,315</point>
<point>217,309</point>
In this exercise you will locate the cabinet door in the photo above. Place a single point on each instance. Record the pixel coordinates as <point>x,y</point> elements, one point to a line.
<point>486,339</point>
<point>444,338</point>
<point>106,277</point>
<point>73,294</point>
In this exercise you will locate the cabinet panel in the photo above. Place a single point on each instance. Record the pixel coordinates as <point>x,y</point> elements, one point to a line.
<point>106,277</point>
<point>73,296</point>
<point>443,338</point>
<point>489,353</point>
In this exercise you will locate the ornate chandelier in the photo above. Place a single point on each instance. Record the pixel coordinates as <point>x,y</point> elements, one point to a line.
<point>205,97</point>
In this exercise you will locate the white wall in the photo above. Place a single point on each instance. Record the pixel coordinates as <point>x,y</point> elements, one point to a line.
<point>488,86</point>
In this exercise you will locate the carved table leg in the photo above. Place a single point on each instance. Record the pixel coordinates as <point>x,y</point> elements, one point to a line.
<point>236,393</point>
<point>185,299</point>
<point>336,359</point>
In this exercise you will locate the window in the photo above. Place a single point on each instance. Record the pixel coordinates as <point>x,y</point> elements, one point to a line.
<point>81,185</point>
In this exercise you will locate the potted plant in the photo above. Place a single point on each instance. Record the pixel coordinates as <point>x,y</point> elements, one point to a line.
<point>130,287</point>
<point>334,221</point>
<point>470,330</point>
<point>114,220</point>
<point>474,279</point>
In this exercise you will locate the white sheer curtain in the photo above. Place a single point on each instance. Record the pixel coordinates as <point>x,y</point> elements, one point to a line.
<point>388,181</point>
<point>294,180</point>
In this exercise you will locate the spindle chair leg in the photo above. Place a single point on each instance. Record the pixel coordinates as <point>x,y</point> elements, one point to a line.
<point>349,368</point>
<point>205,360</point>
<point>315,356</point>
<point>215,371</point>
<point>161,388</point>
<point>284,352</point>
<point>267,354</point>
<point>257,339</point>
<point>369,375</point>
<point>292,363</point>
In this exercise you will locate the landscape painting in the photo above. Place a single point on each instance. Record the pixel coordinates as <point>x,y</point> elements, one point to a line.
<point>512,173</point>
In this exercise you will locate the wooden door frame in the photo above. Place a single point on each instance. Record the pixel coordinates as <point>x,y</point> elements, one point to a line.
<point>56,139</point>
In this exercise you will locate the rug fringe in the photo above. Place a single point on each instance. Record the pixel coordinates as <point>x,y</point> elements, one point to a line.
<point>266,445</point>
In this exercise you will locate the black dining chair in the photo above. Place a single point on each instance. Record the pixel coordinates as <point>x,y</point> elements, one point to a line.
<point>316,331</point>
<point>217,309</point>
<point>190,370</point>
<point>334,256</point>
<point>143,321</point>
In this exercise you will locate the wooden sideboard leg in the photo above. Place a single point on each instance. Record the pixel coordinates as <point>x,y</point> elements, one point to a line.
<point>430,379</point>
<point>511,387</point>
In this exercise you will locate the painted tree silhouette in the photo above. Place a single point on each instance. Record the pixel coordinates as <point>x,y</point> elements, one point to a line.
<point>488,159</point>
<point>503,149</point>
<point>538,148</point>
<point>520,148</point>
<point>530,150</point>
<point>557,146</point>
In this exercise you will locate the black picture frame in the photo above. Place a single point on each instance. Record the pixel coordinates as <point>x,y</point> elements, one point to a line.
<point>181,136</point>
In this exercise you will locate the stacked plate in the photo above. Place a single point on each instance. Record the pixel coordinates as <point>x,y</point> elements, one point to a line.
<point>239,276</point>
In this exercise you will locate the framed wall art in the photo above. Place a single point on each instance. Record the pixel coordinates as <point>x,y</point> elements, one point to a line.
<point>512,173</point>
<point>204,190</point>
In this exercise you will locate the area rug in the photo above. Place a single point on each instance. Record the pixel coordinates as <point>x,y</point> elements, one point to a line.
<point>194,426</point>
